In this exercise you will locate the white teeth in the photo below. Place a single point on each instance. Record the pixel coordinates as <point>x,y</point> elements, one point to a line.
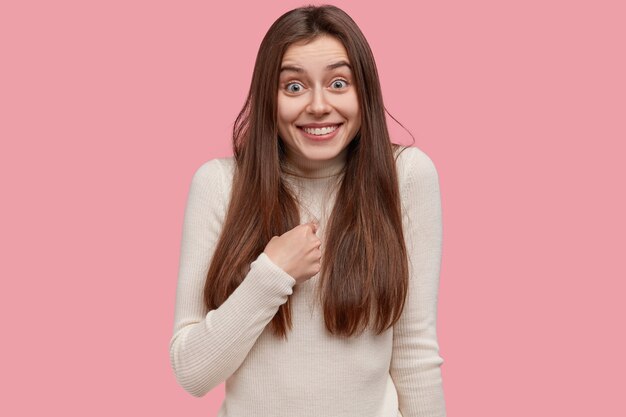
<point>320,131</point>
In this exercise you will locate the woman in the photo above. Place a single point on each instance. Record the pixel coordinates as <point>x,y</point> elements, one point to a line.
<point>310,260</point>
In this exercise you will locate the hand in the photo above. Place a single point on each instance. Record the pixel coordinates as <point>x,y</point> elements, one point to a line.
<point>297,251</point>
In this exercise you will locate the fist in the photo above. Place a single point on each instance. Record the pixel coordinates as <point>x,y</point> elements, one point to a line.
<point>297,251</point>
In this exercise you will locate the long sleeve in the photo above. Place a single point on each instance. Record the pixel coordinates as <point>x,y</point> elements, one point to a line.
<point>416,364</point>
<point>207,347</point>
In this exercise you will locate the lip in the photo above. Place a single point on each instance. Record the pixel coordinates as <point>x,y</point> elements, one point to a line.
<point>314,125</point>
<point>321,138</point>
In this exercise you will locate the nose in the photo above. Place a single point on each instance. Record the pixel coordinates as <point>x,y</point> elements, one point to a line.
<point>319,104</point>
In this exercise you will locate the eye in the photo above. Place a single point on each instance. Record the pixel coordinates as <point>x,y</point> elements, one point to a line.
<point>294,84</point>
<point>338,82</point>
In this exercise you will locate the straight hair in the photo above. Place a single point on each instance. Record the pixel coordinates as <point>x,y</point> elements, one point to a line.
<point>363,280</point>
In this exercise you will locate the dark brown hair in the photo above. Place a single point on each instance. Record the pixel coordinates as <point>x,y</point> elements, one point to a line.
<point>364,273</point>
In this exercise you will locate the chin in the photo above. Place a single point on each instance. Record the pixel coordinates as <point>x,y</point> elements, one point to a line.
<point>321,154</point>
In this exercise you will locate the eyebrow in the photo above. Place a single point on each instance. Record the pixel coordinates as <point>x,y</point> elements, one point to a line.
<point>328,67</point>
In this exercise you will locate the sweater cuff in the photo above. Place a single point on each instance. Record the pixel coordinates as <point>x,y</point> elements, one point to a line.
<point>275,280</point>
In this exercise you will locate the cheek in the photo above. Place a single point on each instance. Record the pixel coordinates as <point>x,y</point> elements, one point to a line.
<point>349,105</point>
<point>287,110</point>
<point>283,116</point>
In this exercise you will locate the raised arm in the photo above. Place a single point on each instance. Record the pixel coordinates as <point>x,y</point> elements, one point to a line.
<point>207,347</point>
<point>416,363</point>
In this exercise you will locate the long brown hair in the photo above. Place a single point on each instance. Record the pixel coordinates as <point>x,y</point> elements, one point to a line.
<point>364,272</point>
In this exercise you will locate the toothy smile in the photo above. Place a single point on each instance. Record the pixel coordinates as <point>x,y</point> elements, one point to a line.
<point>319,131</point>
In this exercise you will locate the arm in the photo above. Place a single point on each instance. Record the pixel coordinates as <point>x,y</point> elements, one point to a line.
<point>415,363</point>
<point>207,347</point>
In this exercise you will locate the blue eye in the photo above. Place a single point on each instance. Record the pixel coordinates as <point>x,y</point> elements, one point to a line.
<point>294,84</point>
<point>296,87</point>
<point>340,81</point>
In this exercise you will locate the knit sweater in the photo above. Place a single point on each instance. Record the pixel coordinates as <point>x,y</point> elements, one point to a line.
<point>313,373</point>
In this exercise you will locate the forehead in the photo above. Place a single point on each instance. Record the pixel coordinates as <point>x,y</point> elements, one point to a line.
<point>320,50</point>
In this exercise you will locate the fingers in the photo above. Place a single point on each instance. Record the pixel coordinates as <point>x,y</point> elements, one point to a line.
<point>314,227</point>
<point>317,243</point>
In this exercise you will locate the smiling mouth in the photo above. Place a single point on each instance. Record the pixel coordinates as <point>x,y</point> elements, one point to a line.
<point>320,131</point>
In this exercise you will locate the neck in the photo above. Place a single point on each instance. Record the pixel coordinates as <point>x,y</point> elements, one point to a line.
<point>300,166</point>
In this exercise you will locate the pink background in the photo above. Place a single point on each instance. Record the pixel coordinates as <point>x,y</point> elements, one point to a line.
<point>108,107</point>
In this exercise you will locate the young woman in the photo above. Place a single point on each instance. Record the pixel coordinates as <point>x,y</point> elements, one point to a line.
<point>309,266</point>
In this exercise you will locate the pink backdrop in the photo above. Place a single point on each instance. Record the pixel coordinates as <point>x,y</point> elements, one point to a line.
<point>108,107</point>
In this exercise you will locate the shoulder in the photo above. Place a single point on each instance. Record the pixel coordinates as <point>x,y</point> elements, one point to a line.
<point>420,195</point>
<point>215,169</point>
<point>212,181</point>
<point>215,175</point>
<point>414,165</point>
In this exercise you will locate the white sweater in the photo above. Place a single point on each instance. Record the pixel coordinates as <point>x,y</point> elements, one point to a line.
<point>312,374</point>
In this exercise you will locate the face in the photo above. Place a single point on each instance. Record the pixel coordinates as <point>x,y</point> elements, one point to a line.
<point>318,108</point>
